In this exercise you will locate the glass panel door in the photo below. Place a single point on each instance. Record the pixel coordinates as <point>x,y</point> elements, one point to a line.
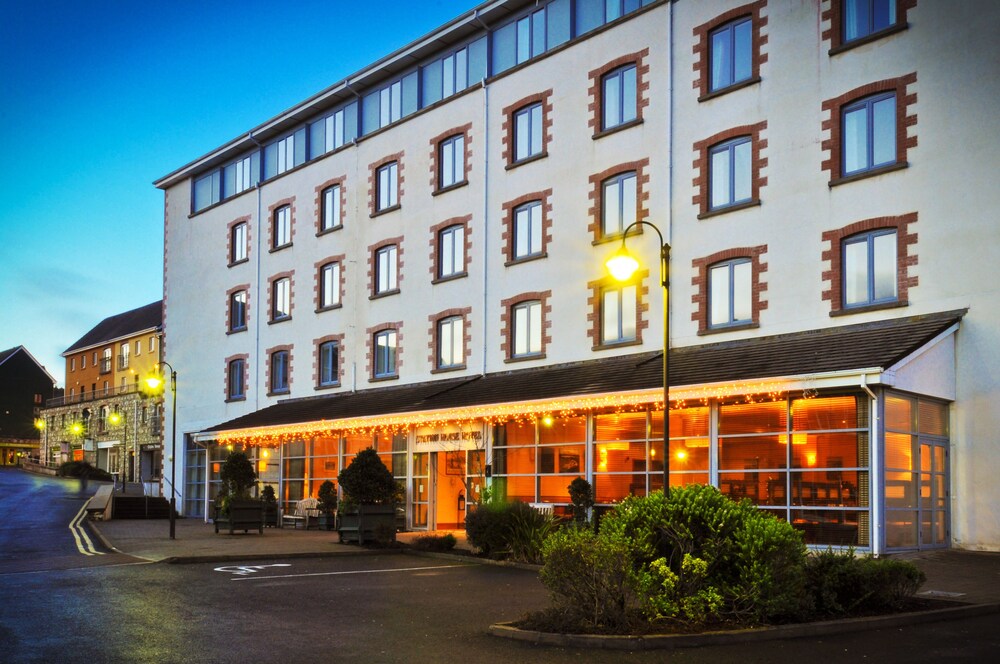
<point>933,493</point>
<point>420,490</point>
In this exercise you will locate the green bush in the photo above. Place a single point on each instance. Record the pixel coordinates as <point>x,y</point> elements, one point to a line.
<point>83,469</point>
<point>237,475</point>
<point>511,530</point>
<point>366,481</point>
<point>486,526</point>
<point>445,542</point>
<point>328,496</point>
<point>844,585</point>
<point>581,494</point>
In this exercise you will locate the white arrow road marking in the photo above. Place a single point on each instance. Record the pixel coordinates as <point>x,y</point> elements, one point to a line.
<point>83,543</point>
<point>243,570</point>
<point>360,571</point>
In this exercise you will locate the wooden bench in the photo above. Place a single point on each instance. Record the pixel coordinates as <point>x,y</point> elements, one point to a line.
<point>245,516</point>
<point>306,513</point>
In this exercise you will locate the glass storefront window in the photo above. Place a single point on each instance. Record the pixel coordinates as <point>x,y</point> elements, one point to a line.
<point>740,418</point>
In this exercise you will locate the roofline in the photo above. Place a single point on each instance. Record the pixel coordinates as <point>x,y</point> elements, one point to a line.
<point>33,359</point>
<point>105,342</point>
<point>414,51</point>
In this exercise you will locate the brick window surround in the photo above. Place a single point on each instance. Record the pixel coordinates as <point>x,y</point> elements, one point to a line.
<point>432,344</point>
<point>246,376</point>
<point>339,339</point>
<point>595,305</point>
<point>703,48</point>
<point>833,25</point>
<point>833,119</point>
<point>596,197</point>
<point>596,94</point>
<point>291,295</point>
<point>507,235</point>
<point>229,240</point>
<point>319,204</point>
<point>435,253</point>
<point>370,349</point>
<point>833,256</point>
<point>466,131</point>
<point>372,249</point>
<point>318,285</point>
<point>507,129</point>
<point>373,210</point>
<point>290,202</point>
<point>229,308</point>
<point>267,369</point>
<point>507,324</point>
<point>702,196</point>
<point>757,287</point>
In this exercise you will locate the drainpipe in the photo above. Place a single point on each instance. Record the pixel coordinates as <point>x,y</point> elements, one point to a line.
<point>875,428</point>
<point>486,210</point>
<point>670,129</point>
<point>257,289</point>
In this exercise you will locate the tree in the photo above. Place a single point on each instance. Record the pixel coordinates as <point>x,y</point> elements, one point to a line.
<point>237,475</point>
<point>367,481</point>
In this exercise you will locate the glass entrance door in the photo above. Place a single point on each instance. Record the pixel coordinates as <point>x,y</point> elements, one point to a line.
<point>933,493</point>
<point>421,490</point>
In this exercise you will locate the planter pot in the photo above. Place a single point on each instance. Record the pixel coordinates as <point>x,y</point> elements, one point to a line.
<point>270,515</point>
<point>243,515</point>
<point>368,523</point>
<point>328,521</point>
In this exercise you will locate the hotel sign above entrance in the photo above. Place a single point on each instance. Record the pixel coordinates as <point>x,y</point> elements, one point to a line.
<point>438,439</point>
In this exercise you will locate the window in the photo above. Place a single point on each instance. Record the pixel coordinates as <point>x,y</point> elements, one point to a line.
<point>527,328</point>
<point>207,191</point>
<point>451,342</point>
<point>528,230</point>
<point>730,173</point>
<point>329,364</point>
<point>330,213</point>
<point>72,364</point>
<point>618,314</point>
<point>451,252</point>
<point>281,230</point>
<point>729,293</point>
<point>138,349</point>
<point>619,203</point>
<point>387,186</point>
<point>334,130</point>
<point>329,285</point>
<point>453,72</point>
<point>241,175</point>
<point>731,55</point>
<point>238,311</point>
<point>106,361</point>
<point>238,243</point>
<point>528,132</point>
<point>236,379</point>
<point>452,161</point>
<point>83,358</point>
<point>281,299</point>
<point>285,154</point>
<point>279,371</point>
<point>870,268</point>
<point>390,103</point>
<point>386,269</point>
<point>152,345</point>
<point>869,133</point>
<point>618,90</point>
<point>385,353</point>
<point>865,17</point>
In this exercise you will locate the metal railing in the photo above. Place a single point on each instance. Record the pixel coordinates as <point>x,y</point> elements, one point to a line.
<point>93,395</point>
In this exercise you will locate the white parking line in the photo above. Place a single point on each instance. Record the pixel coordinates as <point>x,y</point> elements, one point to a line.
<point>360,571</point>
<point>83,543</point>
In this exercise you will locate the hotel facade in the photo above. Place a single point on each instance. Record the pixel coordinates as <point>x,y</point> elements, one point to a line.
<point>413,259</point>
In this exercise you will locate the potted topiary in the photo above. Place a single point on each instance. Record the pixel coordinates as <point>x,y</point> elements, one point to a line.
<point>270,506</point>
<point>328,505</point>
<point>236,510</point>
<point>368,510</point>
<point>581,494</point>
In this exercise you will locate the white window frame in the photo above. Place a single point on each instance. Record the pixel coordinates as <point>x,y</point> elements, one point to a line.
<point>529,132</point>
<point>451,342</point>
<point>386,269</point>
<point>385,353</point>
<point>451,156</point>
<point>238,241</point>
<point>330,215</point>
<point>730,293</point>
<point>281,299</point>
<point>387,186</point>
<point>451,251</point>
<point>618,314</point>
<point>282,227</point>
<point>527,329</point>
<point>329,285</point>
<point>619,202</point>
<point>528,230</point>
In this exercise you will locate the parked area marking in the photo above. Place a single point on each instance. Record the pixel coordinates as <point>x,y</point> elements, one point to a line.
<point>360,571</point>
<point>243,570</point>
<point>83,543</point>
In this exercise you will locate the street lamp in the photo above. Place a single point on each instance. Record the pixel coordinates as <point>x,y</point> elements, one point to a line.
<point>155,382</point>
<point>114,419</point>
<point>622,265</point>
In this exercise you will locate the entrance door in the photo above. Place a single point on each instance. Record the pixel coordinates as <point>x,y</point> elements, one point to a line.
<point>450,490</point>
<point>933,482</point>
<point>421,490</point>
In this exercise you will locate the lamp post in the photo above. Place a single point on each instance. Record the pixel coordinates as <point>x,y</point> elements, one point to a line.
<point>154,382</point>
<point>116,418</point>
<point>622,265</point>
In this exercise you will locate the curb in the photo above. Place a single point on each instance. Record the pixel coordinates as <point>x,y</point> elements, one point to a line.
<point>230,558</point>
<point>778,632</point>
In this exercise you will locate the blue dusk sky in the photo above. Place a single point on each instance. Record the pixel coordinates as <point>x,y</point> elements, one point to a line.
<point>99,98</point>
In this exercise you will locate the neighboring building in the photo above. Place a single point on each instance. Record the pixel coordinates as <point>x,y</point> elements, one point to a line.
<point>24,386</point>
<point>413,258</point>
<point>104,417</point>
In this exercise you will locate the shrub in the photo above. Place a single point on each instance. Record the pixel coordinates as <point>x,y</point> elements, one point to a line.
<point>486,526</point>
<point>842,584</point>
<point>83,469</point>
<point>267,495</point>
<point>367,481</point>
<point>237,475</point>
<point>328,496</point>
<point>512,530</point>
<point>581,494</point>
<point>435,542</point>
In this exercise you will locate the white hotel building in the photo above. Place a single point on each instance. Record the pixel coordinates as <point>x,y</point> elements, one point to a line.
<point>413,259</point>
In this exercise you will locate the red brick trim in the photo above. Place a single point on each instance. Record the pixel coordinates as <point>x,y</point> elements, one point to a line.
<point>466,131</point>
<point>833,119</point>
<point>596,196</point>
<point>507,323</point>
<point>339,338</point>
<point>319,203</point>
<point>758,162</point>
<point>435,254</point>
<point>596,105</point>
<point>267,368</point>
<point>229,307</point>
<point>290,202</point>
<point>700,282</point>
<point>432,343</point>
<point>832,18</point>
<point>597,287</point>
<point>833,256</point>
<point>318,284</point>
<point>229,240</point>
<point>702,47</point>
<point>291,294</point>
<point>398,241</point>
<point>246,376</point>
<point>507,128</point>
<point>373,167</point>
<point>507,235</point>
<point>370,348</point>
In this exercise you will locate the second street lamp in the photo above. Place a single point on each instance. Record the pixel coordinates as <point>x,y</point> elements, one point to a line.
<point>155,382</point>
<point>622,265</point>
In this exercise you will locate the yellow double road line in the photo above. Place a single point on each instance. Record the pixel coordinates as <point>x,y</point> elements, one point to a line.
<point>83,542</point>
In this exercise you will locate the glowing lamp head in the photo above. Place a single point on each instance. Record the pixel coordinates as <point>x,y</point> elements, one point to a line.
<point>77,428</point>
<point>547,420</point>
<point>154,382</point>
<point>622,265</point>
<point>40,424</point>
<point>115,419</point>
<point>681,455</point>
